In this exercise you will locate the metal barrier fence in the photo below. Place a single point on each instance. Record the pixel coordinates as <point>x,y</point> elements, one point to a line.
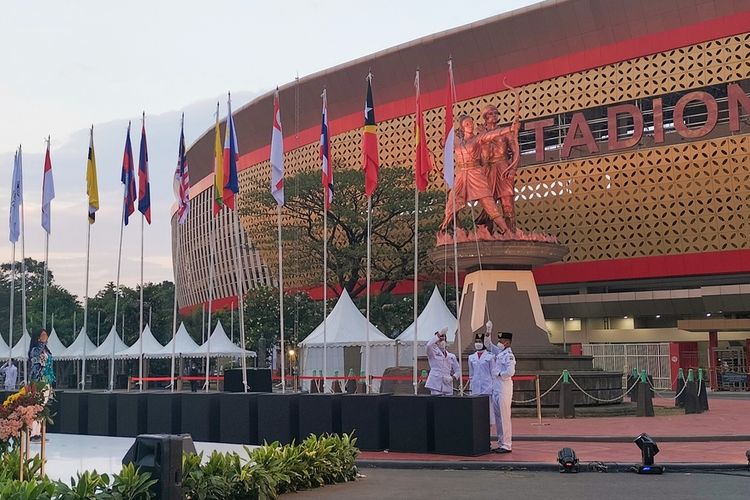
<point>653,357</point>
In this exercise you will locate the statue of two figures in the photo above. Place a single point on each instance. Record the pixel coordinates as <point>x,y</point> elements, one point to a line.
<point>486,160</point>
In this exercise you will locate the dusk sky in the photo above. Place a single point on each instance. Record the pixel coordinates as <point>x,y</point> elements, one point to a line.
<point>68,65</point>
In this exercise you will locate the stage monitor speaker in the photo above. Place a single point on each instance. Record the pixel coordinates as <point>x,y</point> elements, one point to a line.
<point>161,455</point>
<point>258,380</point>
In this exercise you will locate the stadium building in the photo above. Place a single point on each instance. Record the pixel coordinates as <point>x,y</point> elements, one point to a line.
<point>635,145</point>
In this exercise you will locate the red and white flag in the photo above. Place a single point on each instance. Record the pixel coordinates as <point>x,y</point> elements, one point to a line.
<point>277,153</point>
<point>450,132</point>
<point>48,192</point>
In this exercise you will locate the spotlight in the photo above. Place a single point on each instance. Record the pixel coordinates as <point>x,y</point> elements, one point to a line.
<point>568,461</point>
<point>747,454</point>
<point>649,449</point>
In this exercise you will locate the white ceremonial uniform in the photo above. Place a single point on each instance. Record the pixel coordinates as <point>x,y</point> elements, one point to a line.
<point>503,370</point>
<point>443,368</point>
<point>480,375</point>
<point>11,376</point>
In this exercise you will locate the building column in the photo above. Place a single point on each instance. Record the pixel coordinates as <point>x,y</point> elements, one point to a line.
<point>713,345</point>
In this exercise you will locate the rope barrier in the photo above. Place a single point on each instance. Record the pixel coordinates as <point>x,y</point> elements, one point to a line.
<point>603,400</point>
<point>665,395</point>
<point>541,395</point>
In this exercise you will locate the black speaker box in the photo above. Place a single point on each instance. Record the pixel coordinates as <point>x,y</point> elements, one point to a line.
<point>200,415</point>
<point>410,423</point>
<point>163,413</point>
<point>161,455</point>
<point>74,412</point>
<point>101,414</point>
<point>462,425</point>
<point>258,380</point>
<point>130,409</point>
<point>277,417</point>
<point>367,416</point>
<point>319,414</point>
<point>238,417</point>
<point>54,411</point>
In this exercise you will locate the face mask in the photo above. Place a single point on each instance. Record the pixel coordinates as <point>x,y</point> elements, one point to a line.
<point>441,344</point>
<point>500,346</point>
<point>478,346</point>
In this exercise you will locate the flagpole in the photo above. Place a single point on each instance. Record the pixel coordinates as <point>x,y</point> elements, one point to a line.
<point>23,275</point>
<point>174,309</point>
<point>240,292</point>
<point>12,299</point>
<point>86,304</point>
<point>369,254</point>
<point>416,279</point>
<point>231,322</point>
<point>281,302</point>
<point>46,258</point>
<point>140,322</point>
<point>212,251</point>
<point>117,290</point>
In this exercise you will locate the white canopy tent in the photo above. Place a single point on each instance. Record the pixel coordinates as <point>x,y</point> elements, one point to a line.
<point>184,345</point>
<point>104,351</point>
<point>433,318</point>
<point>21,349</point>
<point>75,349</point>
<point>55,346</point>
<point>346,327</point>
<point>150,346</point>
<point>221,346</point>
<point>4,349</point>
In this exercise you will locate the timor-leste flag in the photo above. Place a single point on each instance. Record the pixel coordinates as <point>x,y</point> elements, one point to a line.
<point>370,161</point>
<point>422,163</point>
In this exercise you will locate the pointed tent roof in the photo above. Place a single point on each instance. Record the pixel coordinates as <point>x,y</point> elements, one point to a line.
<point>21,349</point>
<point>104,350</point>
<point>150,346</point>
<point>184,345</point>
<point>55,346</point>
<point>345,326</point>
<point>434,317</point>
<point>3,348</point>
<point>75,349</point>
<point>221,346</point>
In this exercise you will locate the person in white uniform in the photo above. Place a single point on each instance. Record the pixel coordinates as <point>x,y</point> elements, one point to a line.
<point>10,372</point>
<point>480,373</point>
<point>443,365</point>
<point>503,370</point>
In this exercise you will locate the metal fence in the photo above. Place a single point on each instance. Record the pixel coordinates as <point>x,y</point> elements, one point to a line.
<point>654,358</point>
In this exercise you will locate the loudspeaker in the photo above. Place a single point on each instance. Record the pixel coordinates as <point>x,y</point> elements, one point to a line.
<point>411,423</point>
<point>462,425</point>
<point>101,414</point>
<point>319,414</point>
<point>258,380</point>
<point>238,417</point>
<point>367,416</point>
<point>130,410</point>
<point>74,412</point>
<point>277,417</point>
<point>161,455</point>
<point>200,413</point>
<point>163,413</point>
<point>54,411</point>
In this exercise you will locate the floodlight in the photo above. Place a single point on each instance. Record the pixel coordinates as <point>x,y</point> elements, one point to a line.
<point>567,459</point>
<point>747,454</point>
<point>649,449</point>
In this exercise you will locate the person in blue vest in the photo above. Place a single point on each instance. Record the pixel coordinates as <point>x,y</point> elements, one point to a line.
<point>481,380</point>
<point>503,370</point>
<point>443,365</point>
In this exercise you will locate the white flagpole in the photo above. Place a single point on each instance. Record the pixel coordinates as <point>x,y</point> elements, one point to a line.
<point>231,322</point>
<point>23,279</point>
<point>86,306</point>
<point>369,254</point>
<point>240,292</point>
<point>212,251</point>
<point>281,302</point>
<point>174,312</point>
<point>46,258</point>
<point>325,286</point>
<point>117,294</point>
<point>140,321</point>
<point>416,282</point>
<point>12,299</point>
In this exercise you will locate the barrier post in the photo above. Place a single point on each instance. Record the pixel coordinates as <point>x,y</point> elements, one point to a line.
<point>566,407</point>
<point>679,400</point>
<point>702,394</point>
<point>538,400</point>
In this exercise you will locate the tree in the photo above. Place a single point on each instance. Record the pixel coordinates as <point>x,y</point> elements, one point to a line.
<point>301,316</point>
<point>392,228</point>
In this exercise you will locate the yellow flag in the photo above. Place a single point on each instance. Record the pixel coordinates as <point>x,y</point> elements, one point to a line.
<point>92,186</point>
<point>218,168</point>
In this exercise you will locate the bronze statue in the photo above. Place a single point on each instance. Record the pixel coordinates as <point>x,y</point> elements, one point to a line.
<point>472,183</point>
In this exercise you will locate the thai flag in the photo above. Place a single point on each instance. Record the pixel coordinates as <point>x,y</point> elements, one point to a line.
<point>127,177</point>
<point>182,180</point>
<point>325,156</point>
<point>231,155</point>
<point>277,154</point>
<point>48,192</point>
<point>144,189</point>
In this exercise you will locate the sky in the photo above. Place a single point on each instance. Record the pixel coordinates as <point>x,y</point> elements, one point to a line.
<point>68,65</point>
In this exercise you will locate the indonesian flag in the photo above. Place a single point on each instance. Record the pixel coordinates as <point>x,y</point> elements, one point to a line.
<point>325,156</point>
<point>182,179</point>
<point>450,132</point>
<point>422,163</point>
<point>144,188</point>
<point>370,161</point>
<point>231,155</point>
<point>48,192</point>
<point>127,177</point>
<point>218,166</point>
<point>277,154</point>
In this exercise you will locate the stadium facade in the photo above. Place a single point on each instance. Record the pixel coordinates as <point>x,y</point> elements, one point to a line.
<point>635,144</point>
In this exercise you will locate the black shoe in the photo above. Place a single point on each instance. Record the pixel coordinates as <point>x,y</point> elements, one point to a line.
<point>502,450</point>
<point>36,439</point>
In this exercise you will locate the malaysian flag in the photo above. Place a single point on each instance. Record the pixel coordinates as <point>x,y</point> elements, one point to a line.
<point>182,179</point>
<point>325,156</point>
